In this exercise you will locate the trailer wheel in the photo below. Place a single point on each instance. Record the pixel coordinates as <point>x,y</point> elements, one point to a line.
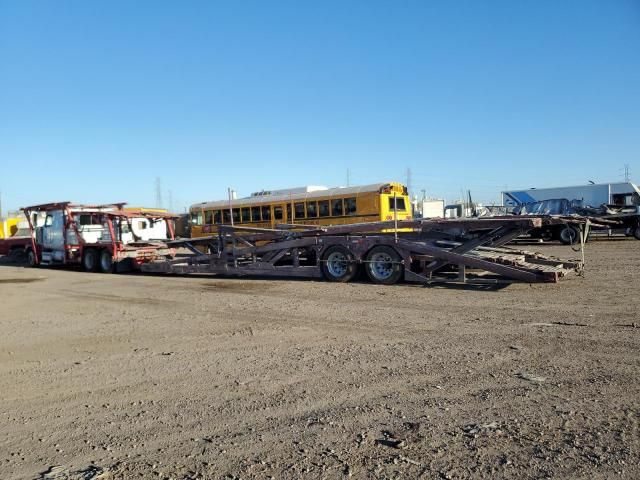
<point>383,265</point>
<point>569,235</point>
<point>106,261</point>
<point>338,264</point>
<point>31,258</point>
<point>90,260</point>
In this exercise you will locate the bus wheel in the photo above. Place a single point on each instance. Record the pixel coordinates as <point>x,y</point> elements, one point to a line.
<point>31,259</point>
<point>636,233</point>
<point>106,262</point>
<point>569,235</point>
<point>90,260</point>
<point>338,264</point>
<point>384,265</point>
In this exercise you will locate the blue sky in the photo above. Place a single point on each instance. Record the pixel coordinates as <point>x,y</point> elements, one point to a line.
<point>97,99</point>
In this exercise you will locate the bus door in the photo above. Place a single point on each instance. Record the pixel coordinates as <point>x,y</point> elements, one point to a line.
<point>278,214</point>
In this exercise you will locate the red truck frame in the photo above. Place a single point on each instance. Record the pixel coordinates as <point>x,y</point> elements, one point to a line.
<point>107,256</point>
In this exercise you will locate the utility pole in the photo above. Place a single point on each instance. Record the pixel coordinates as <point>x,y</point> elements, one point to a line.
<point>230,192</point>
<point>158,193</point>
<point>627,175</point>
<point>409,182</point>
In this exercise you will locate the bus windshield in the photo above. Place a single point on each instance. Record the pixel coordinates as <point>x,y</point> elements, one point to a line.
<point>400,205</point>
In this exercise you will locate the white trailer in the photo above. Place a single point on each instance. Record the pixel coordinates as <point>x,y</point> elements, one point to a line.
<point>433,208</point>
<point>594,195</point>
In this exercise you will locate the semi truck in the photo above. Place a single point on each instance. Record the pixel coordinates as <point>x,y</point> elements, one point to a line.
<point>106,238</point>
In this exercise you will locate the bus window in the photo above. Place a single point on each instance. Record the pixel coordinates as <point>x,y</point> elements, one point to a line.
<point>399,203</point>
<point>336,207</point>
<point>312,209</point>
<point>277,213</point>
<point>266,213</point>
<point>299,209</point>
<point>208,217</point>
<point>350,206</point>
<point>246,215</point>
<point>226,215</point>
<point>236,215</point>
<point>217,217</point>
<point>255,214</point>
<point>289,211</point>
<point>323,208</point>
<point>196,218</point>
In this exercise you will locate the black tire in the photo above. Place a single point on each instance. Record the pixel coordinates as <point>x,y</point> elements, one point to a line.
<point>338,264</point>
<point>636,233</point>
<point>383,265</point>
<point>90,260</point>
<point>31,258</point>
<point>106,261</point>
<point>569,235</point>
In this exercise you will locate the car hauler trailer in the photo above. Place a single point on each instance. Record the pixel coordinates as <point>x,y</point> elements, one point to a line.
<point>609,218</point>
<point>610,206</point>
<point>424,251</point>
<point>107,238</point>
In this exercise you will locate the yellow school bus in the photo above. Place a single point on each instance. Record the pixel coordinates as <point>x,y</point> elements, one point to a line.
<point>305,206</point>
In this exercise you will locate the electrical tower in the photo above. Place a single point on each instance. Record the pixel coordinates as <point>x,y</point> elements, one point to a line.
<point>627,173</point>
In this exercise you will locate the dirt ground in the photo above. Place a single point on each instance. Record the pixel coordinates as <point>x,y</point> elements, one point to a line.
<point>133,376</point>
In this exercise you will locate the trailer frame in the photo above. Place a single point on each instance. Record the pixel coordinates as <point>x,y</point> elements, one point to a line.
<point>428,251</point>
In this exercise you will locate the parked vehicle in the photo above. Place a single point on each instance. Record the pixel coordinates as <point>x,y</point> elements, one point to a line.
<point>104,238</point>
<point>591,195</point>
<point>311,205</point>
<point>14,235</point>
<point>423,251</point>
<point>10,225</point>
<point>621,218</point>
